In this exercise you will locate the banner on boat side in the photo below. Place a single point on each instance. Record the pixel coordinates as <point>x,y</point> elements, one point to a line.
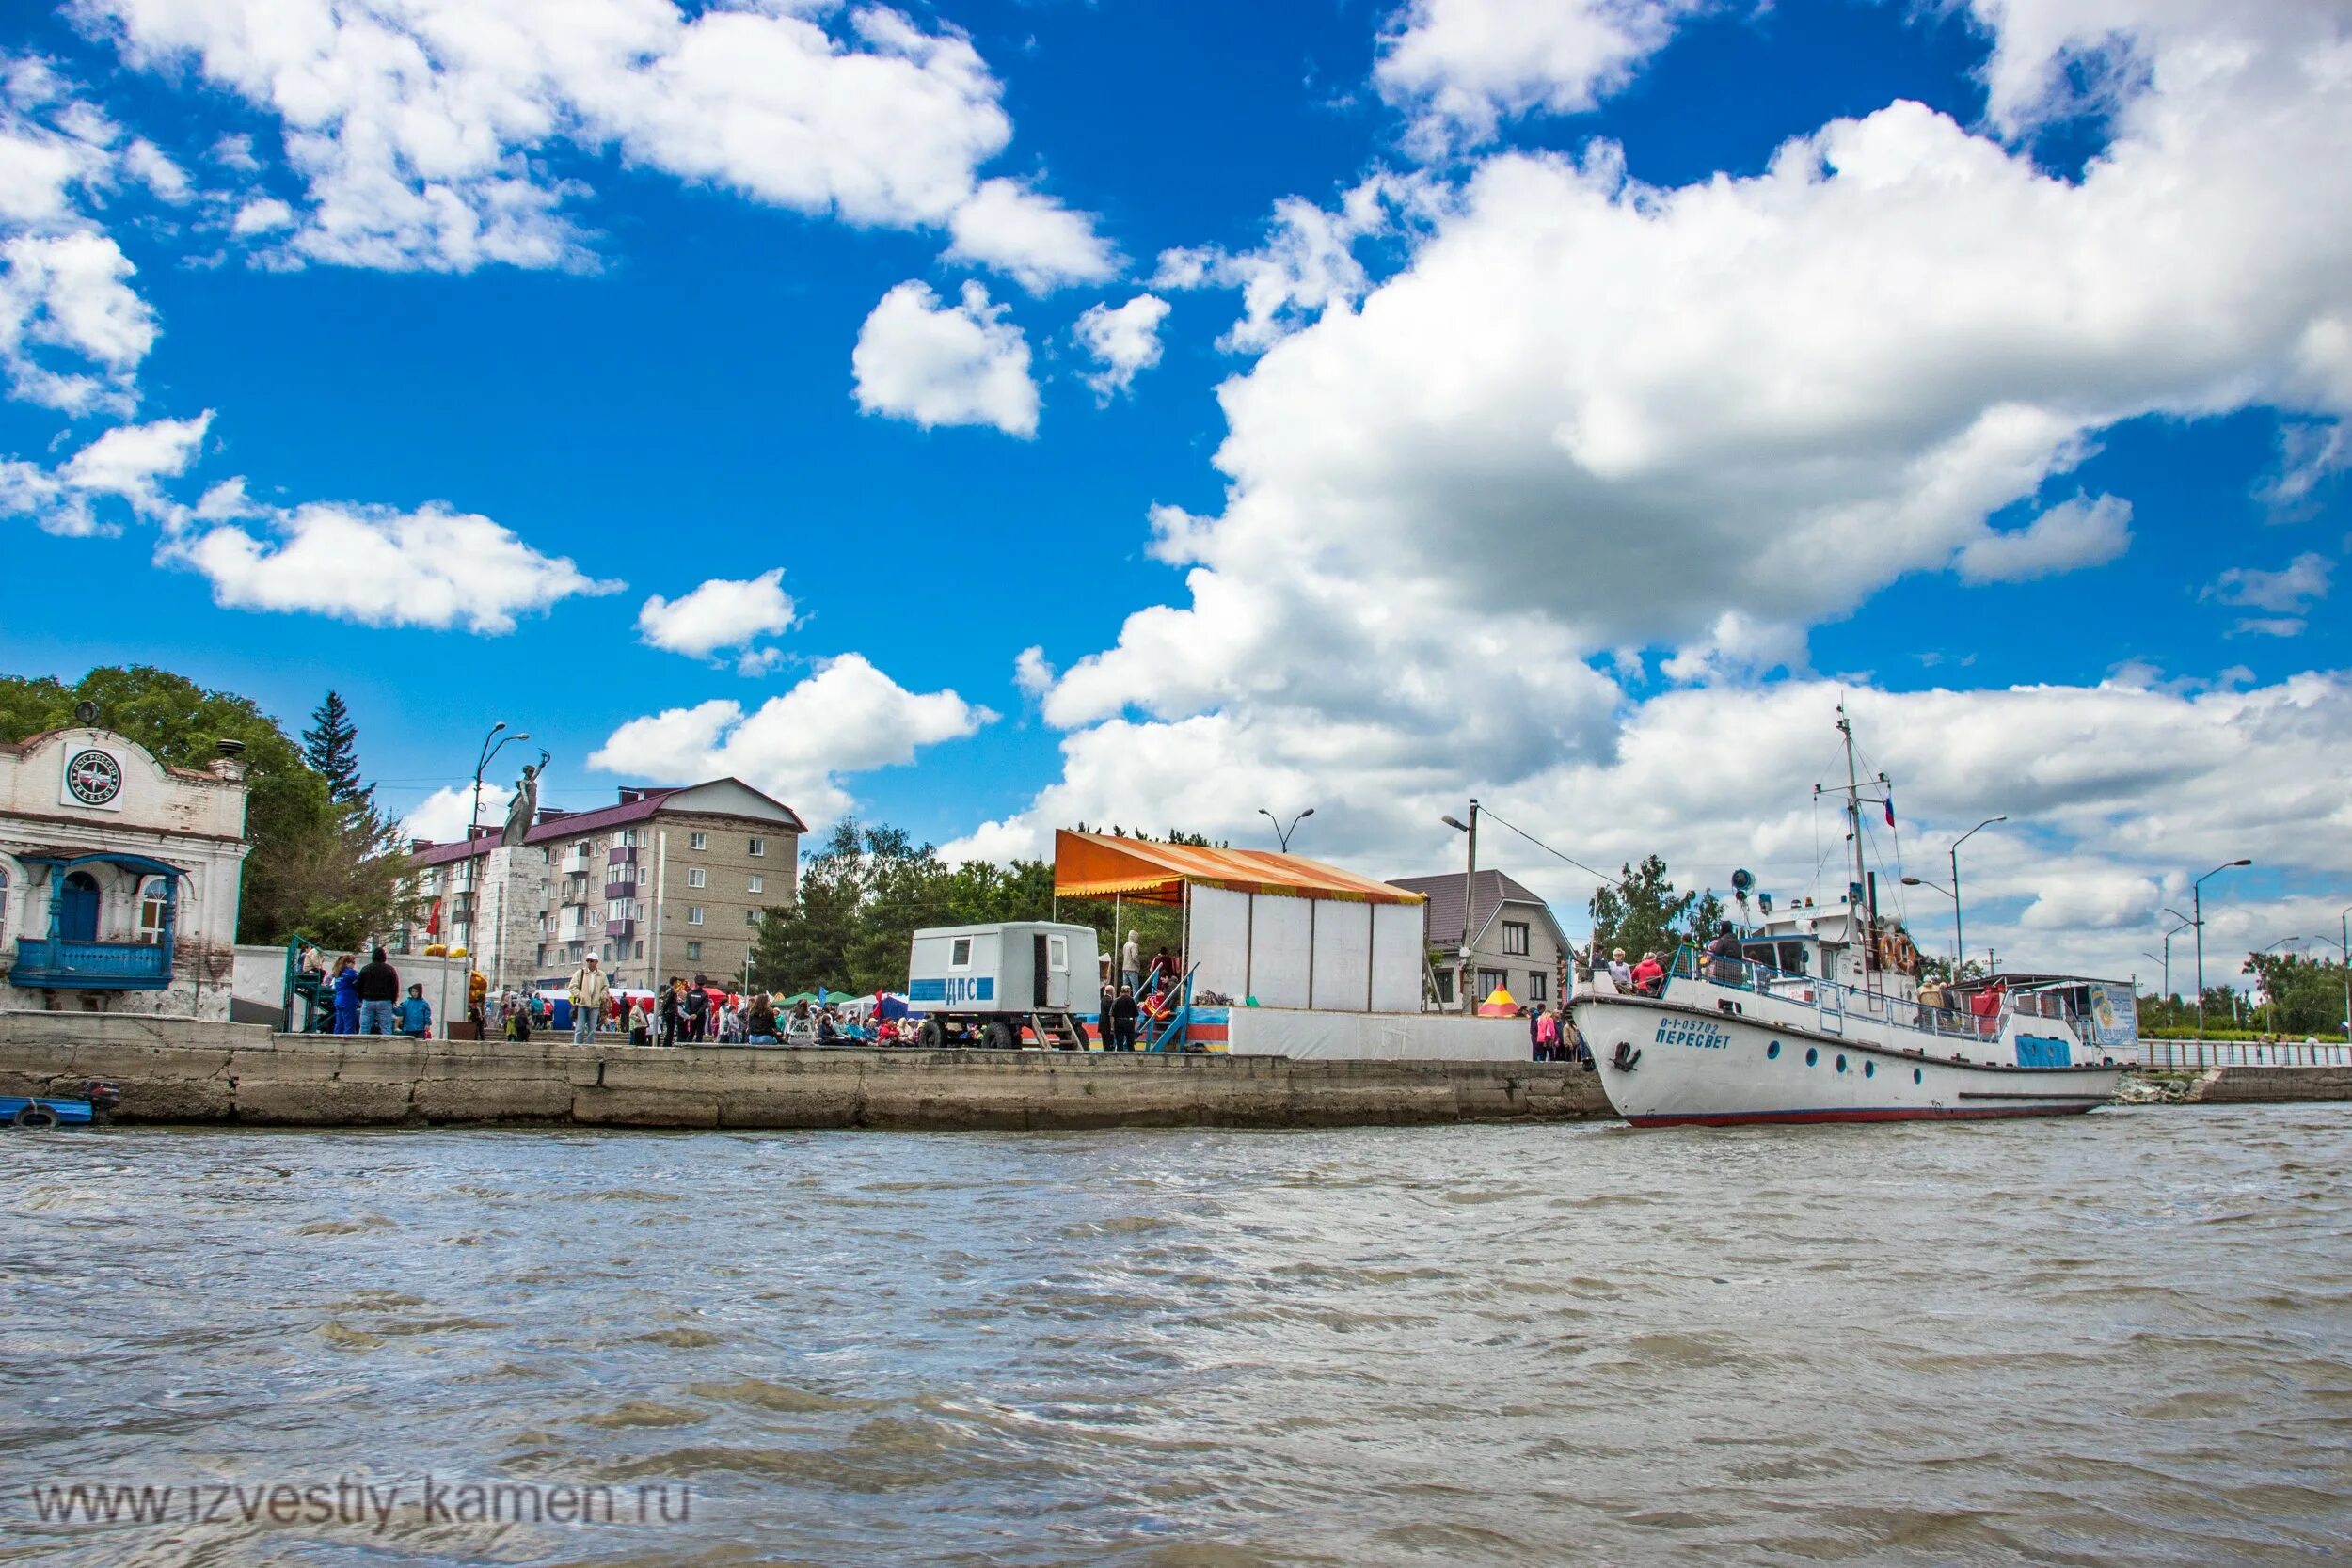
<point>2113,1015</point>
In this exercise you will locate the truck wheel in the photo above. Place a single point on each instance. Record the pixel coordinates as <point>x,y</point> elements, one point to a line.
<point>998,1036</point>
<point>930,1036</point>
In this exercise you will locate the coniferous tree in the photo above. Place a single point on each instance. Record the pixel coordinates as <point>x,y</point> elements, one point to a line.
<point>331,746</point>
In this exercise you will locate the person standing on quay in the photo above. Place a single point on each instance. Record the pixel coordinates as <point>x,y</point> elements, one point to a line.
<point>378,990</point>
<point>1123,1035</point>
<point>590,992</point>
<point>345,986</point>
<point>1131,963</point>
<point>416,1014</point>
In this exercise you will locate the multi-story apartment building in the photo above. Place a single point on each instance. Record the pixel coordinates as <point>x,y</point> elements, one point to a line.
<point>703,860</point>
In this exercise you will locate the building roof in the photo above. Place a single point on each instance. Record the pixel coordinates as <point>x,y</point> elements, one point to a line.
<point>637,804</point>
<point>1098,865</point>
<point>1444,892</point>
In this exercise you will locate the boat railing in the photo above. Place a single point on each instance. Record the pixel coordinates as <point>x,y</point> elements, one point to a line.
<point>1830,996</point>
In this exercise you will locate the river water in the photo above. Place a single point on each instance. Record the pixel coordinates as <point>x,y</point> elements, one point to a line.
<point>2123,1338</point>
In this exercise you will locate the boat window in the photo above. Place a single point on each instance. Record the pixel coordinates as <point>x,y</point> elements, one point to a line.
<point>1771,1051</point>
<point>1811,1055</point>
<point>1058,952</point>
<point>959,953</point>
<point>1792,958</point>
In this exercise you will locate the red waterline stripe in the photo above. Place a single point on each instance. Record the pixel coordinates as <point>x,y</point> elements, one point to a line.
<point>1754,1118</point>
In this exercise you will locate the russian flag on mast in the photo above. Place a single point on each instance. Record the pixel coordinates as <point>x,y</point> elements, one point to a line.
<point>1890,805</point>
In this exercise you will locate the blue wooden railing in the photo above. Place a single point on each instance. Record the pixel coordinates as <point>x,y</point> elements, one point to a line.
<point>54,961</point>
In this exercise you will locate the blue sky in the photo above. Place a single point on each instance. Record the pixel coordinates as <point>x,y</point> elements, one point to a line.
<point>1563,402</point>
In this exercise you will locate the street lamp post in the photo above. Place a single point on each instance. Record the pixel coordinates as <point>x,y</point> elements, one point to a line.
<point>1283,833</point>
<point>1960,955</point>
<point>2167,953</point>
<point>1958,944</point>
<point>2196,902</point>
<point>1469,896</point>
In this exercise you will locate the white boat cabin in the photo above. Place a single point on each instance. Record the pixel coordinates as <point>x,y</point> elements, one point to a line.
<point>1792,948</point>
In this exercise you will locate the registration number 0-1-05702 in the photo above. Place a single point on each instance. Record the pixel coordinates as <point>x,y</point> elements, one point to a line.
<point>1694,1031</point>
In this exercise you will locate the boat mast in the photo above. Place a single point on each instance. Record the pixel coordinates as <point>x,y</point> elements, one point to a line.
<point>1857,930</point>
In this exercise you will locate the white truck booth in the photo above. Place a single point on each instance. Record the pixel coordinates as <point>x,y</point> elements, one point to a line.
<point>989,982</point>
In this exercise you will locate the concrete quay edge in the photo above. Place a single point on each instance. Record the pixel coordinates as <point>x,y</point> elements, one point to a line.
<point>325,1081</point>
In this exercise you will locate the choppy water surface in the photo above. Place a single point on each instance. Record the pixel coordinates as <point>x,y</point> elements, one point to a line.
<point>2127,1339</point>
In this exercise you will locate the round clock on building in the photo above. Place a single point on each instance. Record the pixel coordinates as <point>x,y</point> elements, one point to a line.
<point>94,777</point>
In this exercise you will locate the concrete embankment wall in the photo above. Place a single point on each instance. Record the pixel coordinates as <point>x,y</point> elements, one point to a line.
<point>2271,1086</point>
<point>222,1073</point>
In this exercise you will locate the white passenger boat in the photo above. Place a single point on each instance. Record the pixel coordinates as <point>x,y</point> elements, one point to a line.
<point>1824,1019</point>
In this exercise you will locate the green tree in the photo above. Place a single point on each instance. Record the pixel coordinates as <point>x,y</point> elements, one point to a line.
<point>331,747</point>
<point>1706,918</point>
<point>311,866</point>
<point>1643,914</point>
<point>2301,995</point>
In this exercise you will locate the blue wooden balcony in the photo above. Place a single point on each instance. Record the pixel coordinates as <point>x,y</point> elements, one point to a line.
<point>54,963</point>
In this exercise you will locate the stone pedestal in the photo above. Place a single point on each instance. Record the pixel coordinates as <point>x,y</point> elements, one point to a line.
<point>517,884</point>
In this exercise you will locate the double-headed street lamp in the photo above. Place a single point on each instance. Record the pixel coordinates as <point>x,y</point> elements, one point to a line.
<point>473,823</point>
<point>2196,896</point>
<point>1285,833</point>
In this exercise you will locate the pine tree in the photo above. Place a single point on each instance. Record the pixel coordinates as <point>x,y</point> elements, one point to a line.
<point>331,746</point>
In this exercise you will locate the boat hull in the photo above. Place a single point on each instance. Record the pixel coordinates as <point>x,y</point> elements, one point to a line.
<point>1668,1065</point>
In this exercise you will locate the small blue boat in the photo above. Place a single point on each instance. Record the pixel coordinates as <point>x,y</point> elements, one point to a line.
<point>45,1110</point>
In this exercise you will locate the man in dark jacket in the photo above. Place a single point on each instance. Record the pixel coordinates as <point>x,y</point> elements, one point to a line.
<point>379,996</point>
<point>1122,1021</point>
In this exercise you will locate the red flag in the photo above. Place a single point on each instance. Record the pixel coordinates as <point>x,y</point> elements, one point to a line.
<point>432,921</point>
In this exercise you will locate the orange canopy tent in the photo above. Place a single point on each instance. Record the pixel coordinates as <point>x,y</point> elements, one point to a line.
<point>1497,1005</point>
<point>1098,865</point>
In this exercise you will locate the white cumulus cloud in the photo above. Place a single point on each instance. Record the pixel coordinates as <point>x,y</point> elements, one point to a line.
<point>846,717</point>
<point>722,614</point>
<point>944,364</point>
<point>443,816</point>
<point>379,567</point>
<point>1460,67</point>
<point>421,132</point>
<point>1125,340</point>
<point>2070,536</point>
<point>1029,236</point>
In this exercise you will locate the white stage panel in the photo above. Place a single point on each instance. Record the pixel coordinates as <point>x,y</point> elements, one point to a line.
<point>1397,957</point>
<point>1221,941</point>
<point>1278,952</point>
<point>1342,956</point>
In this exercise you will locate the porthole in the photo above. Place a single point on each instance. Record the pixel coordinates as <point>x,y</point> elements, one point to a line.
<point>1771,1051</point>
<point>1869,1069</point>
<point>1915,1075</point>
<point>1841,1063</point>
<point>1811,1055</point>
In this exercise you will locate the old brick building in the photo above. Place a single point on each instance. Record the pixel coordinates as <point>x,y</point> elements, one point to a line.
<point>700,862</point>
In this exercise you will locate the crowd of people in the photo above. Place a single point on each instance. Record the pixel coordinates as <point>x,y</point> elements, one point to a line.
<point>352,998</point>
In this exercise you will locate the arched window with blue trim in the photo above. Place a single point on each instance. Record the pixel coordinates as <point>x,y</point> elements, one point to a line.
<point>155,909</point>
